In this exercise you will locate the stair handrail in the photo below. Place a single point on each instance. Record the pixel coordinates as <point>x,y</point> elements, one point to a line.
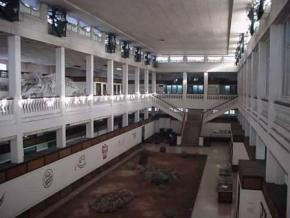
<point>218,106</point>
<point>171,105</point>
<point>181,111</point>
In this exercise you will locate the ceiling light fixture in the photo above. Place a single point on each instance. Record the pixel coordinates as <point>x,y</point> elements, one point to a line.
<point>118,68</point>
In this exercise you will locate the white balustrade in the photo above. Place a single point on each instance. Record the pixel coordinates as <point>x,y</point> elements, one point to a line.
<point>6,108</point>
<point>101,99</point>
<point>195,96</point>
<point>221,97</point>
<point>77,102</point>
<point>39,105</point>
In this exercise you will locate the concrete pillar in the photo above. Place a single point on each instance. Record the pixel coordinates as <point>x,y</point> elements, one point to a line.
<point>60,72</point>
<point>90,129</point>
<point>274,172</point>
<point>137,81</point>
<point>61,137</point>
<point>184,88</point>
<point>16,148</point>
<point>110,123</point>
<point>110,77</point>
<point>90,75</point>
<point>154,82</point>
<point>146,81</point>
<point>276,69</point>
<point>252,140</point>
<point>146,114</point>
<point>125,80</point>
<point>137,116</point>
<point>14,80</point>
<point>125,120</point>
<point>205,85</point>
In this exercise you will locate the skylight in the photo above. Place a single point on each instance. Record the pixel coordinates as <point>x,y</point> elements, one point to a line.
<point>176,59</point>
<point>196,59</point>
<point>162,59</point>
<point>214,59</point>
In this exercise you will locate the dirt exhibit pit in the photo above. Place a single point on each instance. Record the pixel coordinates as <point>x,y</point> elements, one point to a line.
<point>165,188</point>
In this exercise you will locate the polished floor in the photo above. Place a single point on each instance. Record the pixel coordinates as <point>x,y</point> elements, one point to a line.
<point>206,204</point>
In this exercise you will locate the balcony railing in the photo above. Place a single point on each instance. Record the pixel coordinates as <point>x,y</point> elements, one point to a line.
<point>6,108</point>
<point>40,105</point>
<point>197,96</point>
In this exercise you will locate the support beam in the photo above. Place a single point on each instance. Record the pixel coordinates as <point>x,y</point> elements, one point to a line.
<point>90,75</point>
<point>205,86</point>
<point>14,80</point>
<point>137,116</point>
<point>125,80</point>
<point>60,72</point>
<point>146,114</point>
<point>184,88</point>
<point>110,77</point>
<point>125,120</point>
<point>146,81</point>
<point>110,123</point>
<point>154,82</point>
<point>137,81</point>
<point>90,129</point>
<point>61,137</point>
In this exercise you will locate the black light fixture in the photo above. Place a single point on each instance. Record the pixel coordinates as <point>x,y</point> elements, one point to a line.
<point>138,54</point>
<point>125,49</point>
<point>147,58</point>
<point>154,61</point>
<point>9,10</point>
<point>111,43</point>
<point>57,21</point>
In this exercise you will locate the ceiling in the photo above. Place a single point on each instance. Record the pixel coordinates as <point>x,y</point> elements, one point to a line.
<point>180,27</point>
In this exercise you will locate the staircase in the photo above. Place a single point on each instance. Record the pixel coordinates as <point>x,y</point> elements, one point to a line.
<point>192,128</point>
<point>168,108</point>
<point>220,110</point>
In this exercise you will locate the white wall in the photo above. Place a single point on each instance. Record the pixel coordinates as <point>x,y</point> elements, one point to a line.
<point>239,153</point>
<point>65,172</point>
<point>216,130</point>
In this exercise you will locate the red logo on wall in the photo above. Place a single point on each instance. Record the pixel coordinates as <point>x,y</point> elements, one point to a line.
<point>105,149</point>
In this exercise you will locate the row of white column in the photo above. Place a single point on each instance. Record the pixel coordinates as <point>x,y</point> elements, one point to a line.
<point>14,69</point>
<point>205,85</point>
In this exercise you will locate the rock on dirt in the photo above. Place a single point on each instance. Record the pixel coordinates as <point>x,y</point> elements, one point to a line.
<point>111,202</point>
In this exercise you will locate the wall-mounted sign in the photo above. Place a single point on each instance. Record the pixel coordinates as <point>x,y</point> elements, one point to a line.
<point>81,163</point>
<point>105,149</point>
<point>47,178</point>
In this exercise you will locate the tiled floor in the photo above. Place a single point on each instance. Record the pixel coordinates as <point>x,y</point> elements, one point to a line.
<point>206,205</point>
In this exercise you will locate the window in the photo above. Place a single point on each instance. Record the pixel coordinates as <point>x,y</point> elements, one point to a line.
<point>195,59</point>
<point>176,59</point>
<point>97,34</point>
<point>85,29</point>
<point>162,59</point>
<point>229,59</point>
<point>3,66</point>
<point>286,79</point>
<point>72,23</point>
<point>30,7</point>
<point>214,59</point>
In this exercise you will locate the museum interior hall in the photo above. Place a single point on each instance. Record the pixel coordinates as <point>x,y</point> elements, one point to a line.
<point>145,108</point>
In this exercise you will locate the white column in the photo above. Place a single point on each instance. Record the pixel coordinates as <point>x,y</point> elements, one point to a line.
<point>61,137</point>
<point>125,80</point>
<point>146,114</point>
<point>154,82</point>
<point>125,120</point>
<point>14,80</point>
<point>276,69</point>
<point>252,139</point>
<point>110,123</point>
<point>184,88</point>
<point>137,81</point>
<point>137,116</point>
<point>146,81</point>
<point>274,172</point>
<point>60,72</point>
<point>90,129</point>
<point>110,77</point>
<point>205,85</point>
<point>90,75</point>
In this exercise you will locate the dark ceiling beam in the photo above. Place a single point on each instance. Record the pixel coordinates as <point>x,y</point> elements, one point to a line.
<point>231,5</point>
